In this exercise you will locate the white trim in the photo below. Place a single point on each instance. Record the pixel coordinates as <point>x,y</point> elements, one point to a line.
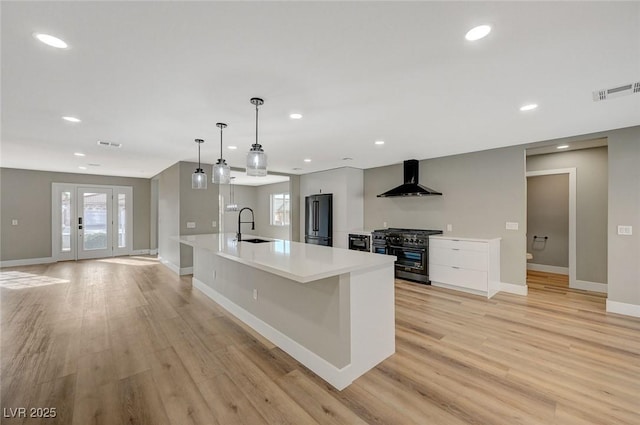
<point>153,251</point>
<point>590,286</point>
<point>512,288</point>
<point>169,265</point>
<point>623,308</point>
<point>140,252</point>
<point>317,364</point>
<point>27,262</point>
<point>572,214</point>
<point>548,269</point>
<point>186,270</point>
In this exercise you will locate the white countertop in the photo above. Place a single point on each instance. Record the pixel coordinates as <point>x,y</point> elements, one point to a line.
<point>459,238</point>
<point>293,260</point>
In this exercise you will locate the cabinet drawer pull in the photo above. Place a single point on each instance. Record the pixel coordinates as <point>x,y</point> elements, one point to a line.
<point>454,267</point>
<point>455,249</point>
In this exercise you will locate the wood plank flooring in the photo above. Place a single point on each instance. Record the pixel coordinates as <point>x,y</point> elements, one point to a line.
<point>125,341</point>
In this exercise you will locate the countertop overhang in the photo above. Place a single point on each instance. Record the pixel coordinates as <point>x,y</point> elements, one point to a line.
<point>293,260</point>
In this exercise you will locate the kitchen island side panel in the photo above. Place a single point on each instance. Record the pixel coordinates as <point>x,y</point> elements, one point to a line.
<point>313,314</point>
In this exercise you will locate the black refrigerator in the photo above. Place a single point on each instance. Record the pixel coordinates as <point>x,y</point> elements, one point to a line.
<point>318,228</point>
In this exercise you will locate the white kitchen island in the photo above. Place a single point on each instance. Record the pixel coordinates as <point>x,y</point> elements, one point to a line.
<point>331,309</point>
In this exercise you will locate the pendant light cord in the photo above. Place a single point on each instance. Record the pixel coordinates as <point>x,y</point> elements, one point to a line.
<point>220,144</point>
<point>256,123</point>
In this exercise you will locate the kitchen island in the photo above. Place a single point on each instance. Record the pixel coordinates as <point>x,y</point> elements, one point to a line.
<point>331,309</point>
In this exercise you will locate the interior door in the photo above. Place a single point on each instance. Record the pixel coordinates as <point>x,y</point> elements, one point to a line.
<point>94,222</point>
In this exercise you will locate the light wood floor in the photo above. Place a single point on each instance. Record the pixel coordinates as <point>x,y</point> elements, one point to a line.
<point>125,341</point>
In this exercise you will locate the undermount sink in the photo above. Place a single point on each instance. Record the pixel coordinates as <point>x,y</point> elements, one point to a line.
<point>254,240</point>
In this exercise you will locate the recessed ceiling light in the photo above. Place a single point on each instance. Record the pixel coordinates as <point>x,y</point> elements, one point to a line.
<point>295,116</point>
<point>78,154</point>
<point>72,119</point>
<point>379,142</point>
<point>529,107</point>
<point>307,160</point>
<point>233,148</point>
<point>82,168</point>
<point>563,147</point>
<point>50,40</point>
<point>478,32</point>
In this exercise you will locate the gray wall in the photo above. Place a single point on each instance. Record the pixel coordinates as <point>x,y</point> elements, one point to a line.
<point>591,207</point>
<point>624,209</point>
<point>169,214</point>
<point>481,191</point>
<point>198,206</point>
<point>548,216</point>
<point>26,195</point>
<point>263,211</point>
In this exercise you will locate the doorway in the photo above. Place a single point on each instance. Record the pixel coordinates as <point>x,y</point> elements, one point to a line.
<point>91,221</point>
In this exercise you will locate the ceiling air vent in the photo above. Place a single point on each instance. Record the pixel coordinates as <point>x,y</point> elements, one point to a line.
<point>105,144</point>
<point>614,92</point>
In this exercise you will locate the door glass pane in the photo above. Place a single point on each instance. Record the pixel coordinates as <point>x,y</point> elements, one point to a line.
<point>94,209</point>
<point>122,217</point>
<point>65,215</point>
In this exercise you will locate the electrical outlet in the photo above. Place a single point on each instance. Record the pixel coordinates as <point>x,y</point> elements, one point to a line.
<point>255,294</point>
<point>449,227</point>
<point>384,224</point>
<point>191,224</point>
<point>511,225</point>
<point>14,222</point>
<point>214,223</point>
<point>625,230</point>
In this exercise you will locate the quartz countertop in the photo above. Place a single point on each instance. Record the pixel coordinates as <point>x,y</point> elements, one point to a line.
<point>293,260</point>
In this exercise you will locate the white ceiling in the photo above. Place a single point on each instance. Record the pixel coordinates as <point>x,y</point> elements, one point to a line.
<point>156,75</point>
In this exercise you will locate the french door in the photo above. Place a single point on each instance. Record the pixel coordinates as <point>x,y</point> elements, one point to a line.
<point>91,221</point>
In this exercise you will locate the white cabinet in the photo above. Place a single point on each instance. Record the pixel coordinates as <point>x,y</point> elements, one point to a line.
<point>471,265</point>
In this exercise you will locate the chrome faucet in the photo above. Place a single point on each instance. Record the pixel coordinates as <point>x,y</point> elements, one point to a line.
<point>253,222</point>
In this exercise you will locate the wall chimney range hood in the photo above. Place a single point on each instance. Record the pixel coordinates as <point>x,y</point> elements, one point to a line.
<point>411,187</point>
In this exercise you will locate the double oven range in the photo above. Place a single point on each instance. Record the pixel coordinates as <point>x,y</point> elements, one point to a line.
<point>411,248</point>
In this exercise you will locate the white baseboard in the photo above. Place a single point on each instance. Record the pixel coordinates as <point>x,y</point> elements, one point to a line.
<point>169,265</point>
<point>177,270</point>
<point>590,286</point>
<point>623,308</point>
<point>339,378</point>
<point>512,288</point>
<point>153,251</point>
<point>548,269</point>
<point>140,252</point>
<point>27,262</point>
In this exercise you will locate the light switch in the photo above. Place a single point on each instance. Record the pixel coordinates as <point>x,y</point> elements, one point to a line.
<point>191,224</point>
<point>449,227</point>
<point>511,225</point>
<point>14,222</point>
<point>625,230</point>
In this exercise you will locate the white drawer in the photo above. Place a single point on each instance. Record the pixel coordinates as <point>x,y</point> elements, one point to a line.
<point>474,260</point>
<point>458,244</point>
<point>471,279</point>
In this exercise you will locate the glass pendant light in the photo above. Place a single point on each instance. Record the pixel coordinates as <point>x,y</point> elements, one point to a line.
<point>221,171</point>
<point>199,178</point>
<point>256,158</point>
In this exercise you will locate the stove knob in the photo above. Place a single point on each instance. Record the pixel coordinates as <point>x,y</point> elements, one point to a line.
<point>411,240</point>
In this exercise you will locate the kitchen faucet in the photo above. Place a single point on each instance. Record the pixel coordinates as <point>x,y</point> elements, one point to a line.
<point>253,222</point>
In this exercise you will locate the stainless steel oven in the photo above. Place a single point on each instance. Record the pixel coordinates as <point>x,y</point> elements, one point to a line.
<point>360,242</point>
<point>411,248</point>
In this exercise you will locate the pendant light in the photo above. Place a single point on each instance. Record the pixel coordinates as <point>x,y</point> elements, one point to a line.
<point>256,158</point>
<point>221,171</point>
<point>199,178</point>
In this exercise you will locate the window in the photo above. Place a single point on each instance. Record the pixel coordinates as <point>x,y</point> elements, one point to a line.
<point>280,209</point>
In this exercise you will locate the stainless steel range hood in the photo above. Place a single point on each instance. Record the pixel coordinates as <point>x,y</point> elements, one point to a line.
<point>411,187</point>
